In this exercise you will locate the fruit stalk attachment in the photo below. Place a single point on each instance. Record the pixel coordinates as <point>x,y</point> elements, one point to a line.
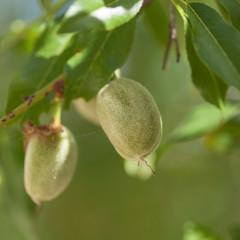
<point>146,163</point>
<point>57,105</point>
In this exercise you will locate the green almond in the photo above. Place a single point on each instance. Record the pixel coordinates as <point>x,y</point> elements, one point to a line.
<point>130,118</point>
<point>50,162</point>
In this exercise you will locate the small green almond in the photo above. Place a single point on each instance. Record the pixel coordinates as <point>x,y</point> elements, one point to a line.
<point>50,161</point>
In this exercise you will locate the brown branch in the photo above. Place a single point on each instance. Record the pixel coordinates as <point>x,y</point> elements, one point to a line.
<point>144,5</point>
<point>55,86</point>
<point>172,37</point>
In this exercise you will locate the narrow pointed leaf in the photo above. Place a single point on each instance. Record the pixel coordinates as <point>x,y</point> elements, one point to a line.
<point>210,86</point>
<point>202,120</point>
<point>216,42</point>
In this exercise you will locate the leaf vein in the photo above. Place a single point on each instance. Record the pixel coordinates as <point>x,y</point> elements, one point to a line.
<point>214,39</point>
<point>95,57</point>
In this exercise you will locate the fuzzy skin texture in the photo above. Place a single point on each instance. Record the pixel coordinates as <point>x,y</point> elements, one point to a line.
<point>50,162</point>
<point>130,118</point>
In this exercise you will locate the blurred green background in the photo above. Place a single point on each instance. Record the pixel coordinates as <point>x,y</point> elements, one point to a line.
<point>103,202</point>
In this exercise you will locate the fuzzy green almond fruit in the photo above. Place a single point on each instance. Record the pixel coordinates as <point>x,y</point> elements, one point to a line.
<point>87,109</point>
<point>130,118</point>
<point>50,161</point>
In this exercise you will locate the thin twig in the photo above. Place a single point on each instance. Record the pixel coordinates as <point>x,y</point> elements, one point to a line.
<point>172,37</point>
<point>29,101</point>
<point>144,5</point>
<point>143,160</point>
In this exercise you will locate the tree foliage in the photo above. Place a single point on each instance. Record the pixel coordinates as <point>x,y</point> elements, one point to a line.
<point>84,42</point>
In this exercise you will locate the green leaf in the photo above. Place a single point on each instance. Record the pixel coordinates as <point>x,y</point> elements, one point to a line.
<point>157,21</point>
<point>226,138</point>
<point>233,9</point>
<point>194,231</point>
<point>202,120</point>
<point>11,60</point>
<point>99,14</point>
<point>87,72</point>
<point>210,86</point>
<point>51,53</point>
<point>5,61</point>
<point>216,42</point>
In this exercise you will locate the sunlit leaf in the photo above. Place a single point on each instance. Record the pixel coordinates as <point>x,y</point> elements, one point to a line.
<point>210,86</point>
<point>226,138</point>
<point>233,9</point>
<point>29,37</point>
<point>88,71</point>
<point>46,63</point>
<point>216,42</point>
<point>194,231</point>
<point>99,14</point>
<point>202,120</point>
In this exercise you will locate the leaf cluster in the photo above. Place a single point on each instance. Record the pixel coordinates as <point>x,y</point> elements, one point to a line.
<point>86,41</point>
